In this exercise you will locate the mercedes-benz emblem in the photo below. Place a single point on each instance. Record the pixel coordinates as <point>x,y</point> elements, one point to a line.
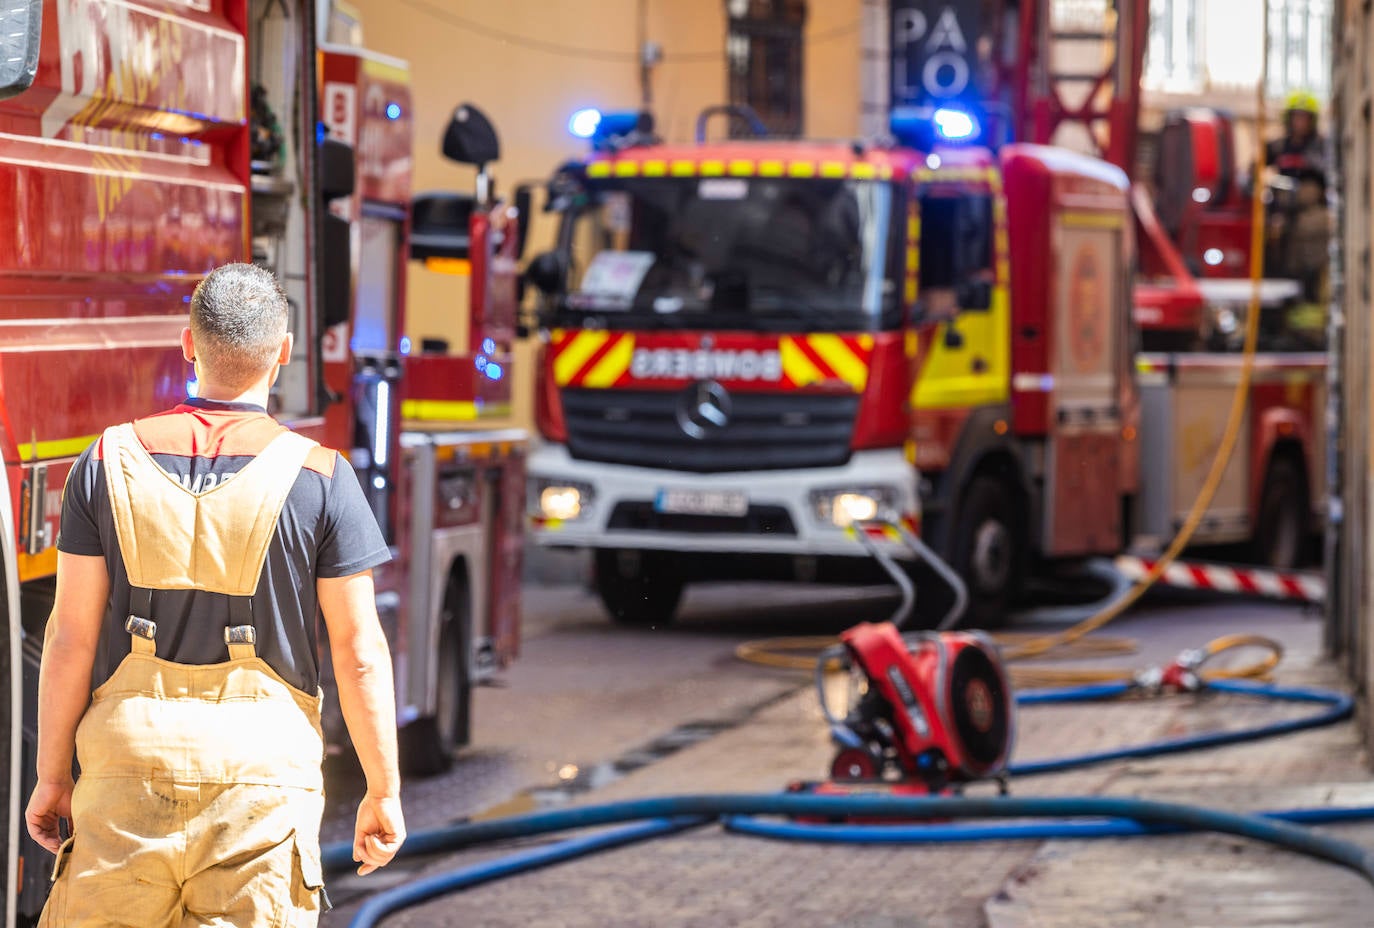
<point>702,407</point>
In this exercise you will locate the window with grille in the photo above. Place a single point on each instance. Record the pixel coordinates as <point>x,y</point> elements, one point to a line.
<point>1201,45</point>
<point>764,58</point>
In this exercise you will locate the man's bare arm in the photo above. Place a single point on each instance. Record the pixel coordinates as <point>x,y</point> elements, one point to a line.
<point>362,673</point>
<point>64,686</point>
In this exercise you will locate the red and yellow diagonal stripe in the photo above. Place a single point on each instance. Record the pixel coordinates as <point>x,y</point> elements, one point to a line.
<point>826,358</point>
<point>591,358</point>
<point>598,359</point>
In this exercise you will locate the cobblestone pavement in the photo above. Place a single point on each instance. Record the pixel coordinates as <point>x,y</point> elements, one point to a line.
<point>708,878</point>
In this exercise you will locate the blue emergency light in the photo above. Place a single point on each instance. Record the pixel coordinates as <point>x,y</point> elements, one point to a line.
<point>584,123</point>
<point>954,125</point>
<point>921,127</point>
<point>393,111</point>
<point>608,130</point>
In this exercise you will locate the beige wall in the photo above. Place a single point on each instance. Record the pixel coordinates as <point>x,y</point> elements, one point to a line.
<point>529,90</point>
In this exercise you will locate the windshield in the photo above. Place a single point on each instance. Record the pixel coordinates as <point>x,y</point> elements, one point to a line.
<point>730,252</point>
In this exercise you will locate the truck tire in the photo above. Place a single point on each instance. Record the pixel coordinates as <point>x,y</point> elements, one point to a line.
<point>987,551</point>
<point>427,744</point>
<point>1280,539</point>
<point>639,589</point>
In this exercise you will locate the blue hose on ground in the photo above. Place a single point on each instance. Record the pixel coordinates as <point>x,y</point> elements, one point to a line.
<point>1340,707</point>
<point>1007,831</point>
<point>1107,817</point>
<point>339,856</point>
<point>384,903</point>
<point>1278,833</point>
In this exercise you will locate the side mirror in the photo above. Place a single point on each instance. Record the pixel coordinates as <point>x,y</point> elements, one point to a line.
<point>975,295</point>
<point>954,339</point>
<point>335,169</point>
<point>470,137</point>
<point>439,225</point>
<point>22,21</point>
<point>334,178</point>
<point>546,272</point>
<point>524,213</point>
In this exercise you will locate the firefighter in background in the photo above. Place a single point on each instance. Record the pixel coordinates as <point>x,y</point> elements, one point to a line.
<point>1299,221</point>
<point>1302,151</point>
<point>179,661</point>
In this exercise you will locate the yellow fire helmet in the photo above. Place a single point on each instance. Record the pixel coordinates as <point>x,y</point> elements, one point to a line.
<point>1303,101</point>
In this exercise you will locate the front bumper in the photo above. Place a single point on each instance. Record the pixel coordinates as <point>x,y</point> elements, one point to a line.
<point>782,518</point>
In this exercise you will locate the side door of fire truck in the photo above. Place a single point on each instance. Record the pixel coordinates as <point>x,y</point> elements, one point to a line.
<point>1084,455</point>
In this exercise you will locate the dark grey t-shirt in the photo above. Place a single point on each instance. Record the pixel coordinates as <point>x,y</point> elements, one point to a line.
<point>326,529</point>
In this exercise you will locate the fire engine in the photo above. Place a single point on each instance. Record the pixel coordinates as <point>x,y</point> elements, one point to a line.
<point>143,145</point>
<point>753,344</point>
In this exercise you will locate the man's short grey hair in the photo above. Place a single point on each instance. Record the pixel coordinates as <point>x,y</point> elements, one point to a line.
<point>238,320</point>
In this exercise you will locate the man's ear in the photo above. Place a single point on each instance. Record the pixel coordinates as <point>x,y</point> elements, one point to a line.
<point>188,346</point>
<point>284,356</point>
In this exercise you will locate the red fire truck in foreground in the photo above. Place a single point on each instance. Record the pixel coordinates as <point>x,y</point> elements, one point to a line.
<point>753,344</point>
<point>138,150</point>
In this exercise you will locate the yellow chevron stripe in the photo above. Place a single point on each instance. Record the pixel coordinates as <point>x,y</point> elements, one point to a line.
<point>681,168</point>
<point>771,169</point>
<point>796,366</point>
<point>57,448</point>
<point>842,360</point>
<point>42,564</point>
<point>711,168</point>
<point>801,169</point>
<point>583,345</point>
<point>626,168</point>
<point>833,169</point>
<point>450,410</point>
<point>599,169</point>
<point>861,171</point>
<point>612,364</point>
<point>656,168</point>
<point>741,168</point>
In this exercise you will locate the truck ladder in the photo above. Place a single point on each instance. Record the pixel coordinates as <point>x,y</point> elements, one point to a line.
<point>1080,69</point>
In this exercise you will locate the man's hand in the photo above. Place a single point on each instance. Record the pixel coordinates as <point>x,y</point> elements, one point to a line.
<point>379,832</point>
<point>49,803</point>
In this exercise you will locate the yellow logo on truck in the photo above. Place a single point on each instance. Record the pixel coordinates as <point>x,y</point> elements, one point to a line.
<point>596,359</point>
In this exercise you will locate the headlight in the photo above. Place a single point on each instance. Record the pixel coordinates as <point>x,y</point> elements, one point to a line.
<point>559,500</point>
<point>844,507</point>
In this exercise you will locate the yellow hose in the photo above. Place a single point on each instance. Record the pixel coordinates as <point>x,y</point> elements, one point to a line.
<point>800,653</point>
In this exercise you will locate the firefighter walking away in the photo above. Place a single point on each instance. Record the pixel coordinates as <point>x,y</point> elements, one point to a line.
<point>179,661</point>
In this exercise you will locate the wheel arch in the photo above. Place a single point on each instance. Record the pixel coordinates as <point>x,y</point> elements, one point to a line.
<point>1289,448</point>
<point>1279,430</point>
<point>456,579</point>
<point>982,449</point>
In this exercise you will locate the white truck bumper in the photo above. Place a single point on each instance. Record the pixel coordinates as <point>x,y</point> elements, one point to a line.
<point>620,505</point>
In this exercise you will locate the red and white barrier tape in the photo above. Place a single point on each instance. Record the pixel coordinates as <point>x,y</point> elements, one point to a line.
<point>1255,581</point>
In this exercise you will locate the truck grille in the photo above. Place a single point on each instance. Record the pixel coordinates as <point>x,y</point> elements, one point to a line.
<point>763,431</point>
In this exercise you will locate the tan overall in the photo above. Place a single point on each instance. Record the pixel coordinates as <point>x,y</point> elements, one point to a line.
<point>200,791</point>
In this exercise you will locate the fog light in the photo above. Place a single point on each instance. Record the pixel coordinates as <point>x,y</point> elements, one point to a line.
<point>561,503</point>
<point>844,507</point>
<point>854,507</point>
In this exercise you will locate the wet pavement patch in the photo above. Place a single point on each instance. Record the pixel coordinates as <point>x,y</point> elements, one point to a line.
<point>582,780</point>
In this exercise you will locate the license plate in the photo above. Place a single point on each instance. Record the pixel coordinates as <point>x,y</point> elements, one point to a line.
<point>703,502</point>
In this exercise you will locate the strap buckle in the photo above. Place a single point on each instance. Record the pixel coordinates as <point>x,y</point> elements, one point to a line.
<point>143,628</point>
<point>240,634</point>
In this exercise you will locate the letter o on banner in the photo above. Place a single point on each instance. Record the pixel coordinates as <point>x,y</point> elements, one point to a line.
<point>946,74</point>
